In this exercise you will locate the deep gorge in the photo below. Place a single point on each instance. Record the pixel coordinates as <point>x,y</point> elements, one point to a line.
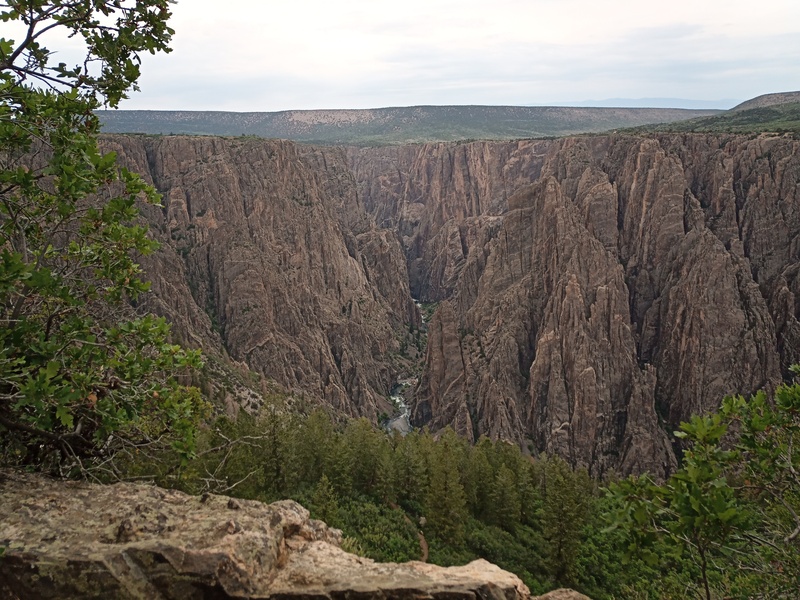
<point>593,291</point>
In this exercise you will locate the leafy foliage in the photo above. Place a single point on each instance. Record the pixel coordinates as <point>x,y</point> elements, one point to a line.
<point>82,374</point>
<point>382,532</point>
<point>732,508</point>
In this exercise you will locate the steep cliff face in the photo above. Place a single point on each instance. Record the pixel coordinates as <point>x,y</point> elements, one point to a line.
<point>636,281</point>
<point>267,253</point>
<point>546,347</point>
<point>593,292</point>
<point>437,195</point>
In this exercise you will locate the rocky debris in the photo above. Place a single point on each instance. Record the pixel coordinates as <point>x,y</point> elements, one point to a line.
<point>80,540</point>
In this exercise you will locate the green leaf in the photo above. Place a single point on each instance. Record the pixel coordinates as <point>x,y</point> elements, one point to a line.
<point>64,415</point>
<point>52,369</point>
<point>6,47</point>
<point>728,514</point>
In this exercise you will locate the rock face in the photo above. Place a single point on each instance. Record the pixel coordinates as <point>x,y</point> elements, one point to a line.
<point>81,541</point>
<point>594,292</point>
<point>437,195</point>
<point>595,287</point>
<point>563,594</point>
<point>267,255</point>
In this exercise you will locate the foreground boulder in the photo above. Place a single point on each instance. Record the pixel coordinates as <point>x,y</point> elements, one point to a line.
<point>80,540</point>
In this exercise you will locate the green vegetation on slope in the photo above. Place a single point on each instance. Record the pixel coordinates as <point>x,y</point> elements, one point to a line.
<point>772,99</point>
<point>732,510</point>
<point>779,118</point>
<point>385,490</point>
<point>724,525</point>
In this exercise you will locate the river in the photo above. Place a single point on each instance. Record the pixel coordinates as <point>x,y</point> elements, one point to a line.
<point>402,421</point>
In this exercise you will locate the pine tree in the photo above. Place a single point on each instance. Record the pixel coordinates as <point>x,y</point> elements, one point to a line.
<point>386,484</point>
<point>277,456</point>
<point>505,504</point>
<point>446,504</point>
<point>564,514</point>
<point>480,476</point>
<point>530,496</point>
<point>325,502</point>
<point>362,444</point>
<point>314,448</point>
<point>410,470</point>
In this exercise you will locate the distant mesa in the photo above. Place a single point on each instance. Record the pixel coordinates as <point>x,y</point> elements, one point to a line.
<point>722,103</point>
<point>768,100</point>
<point>777,113</point>
<point>400,125</point>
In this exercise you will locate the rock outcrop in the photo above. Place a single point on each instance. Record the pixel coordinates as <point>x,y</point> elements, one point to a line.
<point>81,541</point>
<point>436,195</point>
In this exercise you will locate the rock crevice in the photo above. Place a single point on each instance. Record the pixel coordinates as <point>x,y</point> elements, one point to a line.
<point>605,284</point>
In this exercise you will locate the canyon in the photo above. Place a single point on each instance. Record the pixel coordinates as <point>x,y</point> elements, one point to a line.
<point>591,292</point>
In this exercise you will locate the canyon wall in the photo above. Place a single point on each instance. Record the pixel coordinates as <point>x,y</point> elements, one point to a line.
<point>593,292</point>
<point>597,290</point>
<point>268,258</point>
<point>433,195</point>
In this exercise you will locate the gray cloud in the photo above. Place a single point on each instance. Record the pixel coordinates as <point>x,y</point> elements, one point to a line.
<point>371,56</point>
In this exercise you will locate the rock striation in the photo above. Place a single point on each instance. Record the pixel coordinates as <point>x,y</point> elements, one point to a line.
<point>593,291</point>
<point>438,197</point>
<point>268,256</point>
<point>80,540</point>
<point>610,286</point>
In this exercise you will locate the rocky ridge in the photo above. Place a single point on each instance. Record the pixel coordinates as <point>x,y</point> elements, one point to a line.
<point>768,100</point>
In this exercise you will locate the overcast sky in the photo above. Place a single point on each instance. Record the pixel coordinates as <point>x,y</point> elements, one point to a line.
<point>267,55</point>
